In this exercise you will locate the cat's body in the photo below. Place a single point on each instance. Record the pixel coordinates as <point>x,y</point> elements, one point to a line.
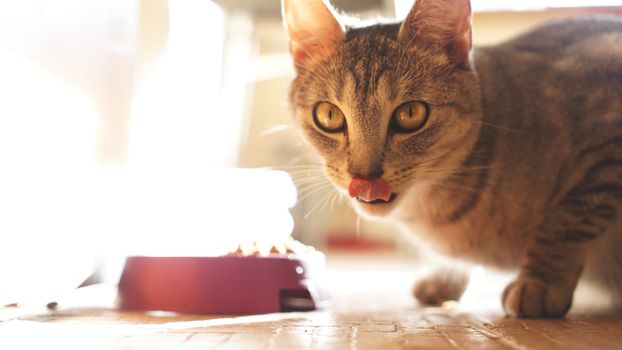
<point>538,147</point>
<point>517,162</point>
<point>531,146</point>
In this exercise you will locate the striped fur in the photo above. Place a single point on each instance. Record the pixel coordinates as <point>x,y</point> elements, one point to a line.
<point>520,163</point>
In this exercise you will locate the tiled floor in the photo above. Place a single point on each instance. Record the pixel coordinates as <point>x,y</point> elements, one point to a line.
<point>367,319</point>
<point>390,329</point>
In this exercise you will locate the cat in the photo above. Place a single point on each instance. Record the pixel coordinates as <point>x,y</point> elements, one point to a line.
<point>507,156</point>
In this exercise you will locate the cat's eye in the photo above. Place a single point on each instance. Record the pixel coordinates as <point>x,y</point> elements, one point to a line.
<point>328,117</point>
<point>410,116</point>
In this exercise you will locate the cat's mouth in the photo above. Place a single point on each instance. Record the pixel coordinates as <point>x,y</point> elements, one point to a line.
<point>378,201</point>
<point>371,190</point>
<point>376,207</point>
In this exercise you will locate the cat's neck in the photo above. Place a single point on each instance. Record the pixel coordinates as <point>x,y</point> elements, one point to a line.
<point>447,201</point>
<point>462,191</point>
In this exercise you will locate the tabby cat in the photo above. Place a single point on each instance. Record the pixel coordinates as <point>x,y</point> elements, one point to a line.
<point>507,156</point>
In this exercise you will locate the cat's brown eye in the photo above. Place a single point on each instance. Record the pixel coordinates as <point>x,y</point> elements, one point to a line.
<point>328,117</point>
<point>410,117</point>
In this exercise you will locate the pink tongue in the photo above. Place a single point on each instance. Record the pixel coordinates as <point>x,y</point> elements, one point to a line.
<point>370,189</point>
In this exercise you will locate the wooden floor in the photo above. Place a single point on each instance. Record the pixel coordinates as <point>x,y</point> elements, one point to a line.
<point>405,329</point>
<point>369,318</point>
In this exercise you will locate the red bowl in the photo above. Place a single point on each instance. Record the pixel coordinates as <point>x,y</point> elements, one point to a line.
<point>223,285</point>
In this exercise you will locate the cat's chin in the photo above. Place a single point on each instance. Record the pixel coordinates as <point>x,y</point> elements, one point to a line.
<point>376,208</point>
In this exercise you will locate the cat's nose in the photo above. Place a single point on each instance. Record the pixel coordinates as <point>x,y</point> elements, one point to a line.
<point>375,172</point>
<point>366,163</point>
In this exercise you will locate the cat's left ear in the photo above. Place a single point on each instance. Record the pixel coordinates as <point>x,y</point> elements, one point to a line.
<point>440,25</point>
<point>313,29</point>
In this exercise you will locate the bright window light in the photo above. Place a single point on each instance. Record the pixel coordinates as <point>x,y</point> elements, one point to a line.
<point>403,6</point>
<point>47,141</point>
<point>60,209</point>
<point>177,115</point>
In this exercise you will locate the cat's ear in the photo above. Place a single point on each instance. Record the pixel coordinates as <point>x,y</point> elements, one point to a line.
<point>313,29</point>
<point>441,25</point>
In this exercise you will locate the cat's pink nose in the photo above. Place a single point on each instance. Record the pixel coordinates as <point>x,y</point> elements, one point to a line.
<point>370,189</point>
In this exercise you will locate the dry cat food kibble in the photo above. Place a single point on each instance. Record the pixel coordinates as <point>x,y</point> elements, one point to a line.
<point>290,246</point>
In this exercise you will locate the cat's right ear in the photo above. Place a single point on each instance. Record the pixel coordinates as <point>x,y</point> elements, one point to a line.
<point>313,28</point>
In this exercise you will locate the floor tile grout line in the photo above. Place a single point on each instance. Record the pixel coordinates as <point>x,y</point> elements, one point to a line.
<point>500,339</point>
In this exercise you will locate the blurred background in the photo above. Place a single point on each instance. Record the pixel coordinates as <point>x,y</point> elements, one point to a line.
<point>148,127</point>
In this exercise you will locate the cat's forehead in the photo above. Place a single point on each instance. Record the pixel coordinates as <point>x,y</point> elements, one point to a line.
<point>378,42</point>
<point>366,65</point>
<point>374,30</point>
<point>370,69</point>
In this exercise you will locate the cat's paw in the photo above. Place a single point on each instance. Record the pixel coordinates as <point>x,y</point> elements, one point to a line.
<point>440,287</point>
<point>532,297</point>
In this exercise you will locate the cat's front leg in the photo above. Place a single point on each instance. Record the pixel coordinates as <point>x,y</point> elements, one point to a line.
<point>444,284</point>
<point>555,256</point>
<point>546,282</point>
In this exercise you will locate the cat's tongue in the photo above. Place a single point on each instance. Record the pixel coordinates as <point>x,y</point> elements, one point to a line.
<point>369,189</point>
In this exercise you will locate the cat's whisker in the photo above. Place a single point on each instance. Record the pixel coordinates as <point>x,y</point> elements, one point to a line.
<point>338,198</point>
<point>500,127</point>
<point>417,165</point>
<point>310,170</point>
<point>297,166</point>
<point>332,201</point>
<point>274,129</point>
<point>308,175</point>
<point>302,181</point>
<point>301,158</point>
<point>314,191</point>
<point>326,201</point>
<point>426,161</point>
<point>454,186</point>
<point>457,171</point>
<point>302,173</point>
<point>306,172</point>
<point>444,182</point>
<point>304,186</point>
<point>312,185</point>
<point>301,166</point>
<point>421,204</point>
<point>359,218</point>
<point>315,207</point>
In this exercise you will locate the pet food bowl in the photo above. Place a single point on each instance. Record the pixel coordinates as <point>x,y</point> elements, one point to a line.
<point>223,285</point>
